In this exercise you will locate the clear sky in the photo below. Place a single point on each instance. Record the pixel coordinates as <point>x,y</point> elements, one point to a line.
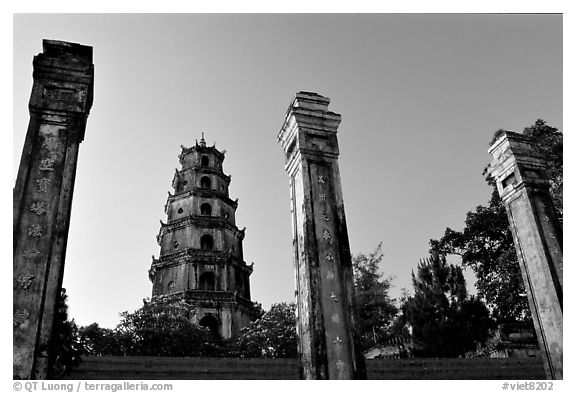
<point>420,98</point>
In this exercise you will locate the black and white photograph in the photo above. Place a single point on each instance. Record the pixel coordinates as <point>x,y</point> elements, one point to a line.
<point>286,196</point>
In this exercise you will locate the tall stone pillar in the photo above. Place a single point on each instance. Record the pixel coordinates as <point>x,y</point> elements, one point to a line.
<point>519,172</point>
<point>59,106</point>
<point>322,261</point>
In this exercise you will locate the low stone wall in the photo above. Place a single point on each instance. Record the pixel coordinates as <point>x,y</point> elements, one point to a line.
<point>154,368</point>
<point>499,368</point>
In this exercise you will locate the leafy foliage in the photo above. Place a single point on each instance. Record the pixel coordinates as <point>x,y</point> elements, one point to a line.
<point>486,245</point>
<point>550,142</point>
<point>445,321</point>
<point>274,334</point>
<point>271,336</point>
<point>376,310</point>
<point>100,341</point>
<point>67,348</point>
<point>161,327</point>
<point>399,328</point>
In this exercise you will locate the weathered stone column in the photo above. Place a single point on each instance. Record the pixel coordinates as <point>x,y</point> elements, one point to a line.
<point>519,172</point>
<point>59,106</point>
<point>322,261</point>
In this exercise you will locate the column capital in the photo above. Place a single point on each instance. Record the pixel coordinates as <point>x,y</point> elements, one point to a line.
<point>63,82</point>
<point>309,129</point>
<point>516,163</point>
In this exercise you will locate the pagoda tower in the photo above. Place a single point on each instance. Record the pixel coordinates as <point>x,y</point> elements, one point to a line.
<point>201,258</point>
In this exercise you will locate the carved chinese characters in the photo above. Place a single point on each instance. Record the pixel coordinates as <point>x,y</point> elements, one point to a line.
<point>31,254</point>
<point>49,155</point>
<point>43,184</point>
<point>39,208</point>
<point>63,98</point>
<point>55,94</point>
<point>35,231</point>
<point>36,219</point>
<point>46,164</point>
<point>25,280</point>
<point>50,148</point>
<point>321,251</point>
<point>59,105</point>
<point>328,264</point>
<point>21,318</point>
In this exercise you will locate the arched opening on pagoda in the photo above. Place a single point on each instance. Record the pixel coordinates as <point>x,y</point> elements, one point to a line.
<point>206,209</point>
<point>212,323</point>
<point>205,182</point>
<point>207,282</point>
<point>206,242</point>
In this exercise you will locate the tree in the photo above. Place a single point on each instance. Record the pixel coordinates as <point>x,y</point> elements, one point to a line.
<point>161,327</point>
<point>99,341</point>
<point>271,336</point>
<point>486,245</point>
<point>274,334</point>
<point>66,346</point>
<point>445,321</point>
<point>550,142</point>
<point>376,310</point>
<point>399,328</point>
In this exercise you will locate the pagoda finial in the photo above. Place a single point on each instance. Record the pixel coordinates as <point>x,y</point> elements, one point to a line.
<point>202,141</point>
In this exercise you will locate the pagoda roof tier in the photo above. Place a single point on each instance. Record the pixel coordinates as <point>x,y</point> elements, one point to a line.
<point>212,299</point>
<point>201,169</point>
<point>192,255</point>
<point>200,149</point>
<point>201,192</point>
<point>206,222</point>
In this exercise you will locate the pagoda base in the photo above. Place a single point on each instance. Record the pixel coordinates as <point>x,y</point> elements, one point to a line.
<point>224,313</point>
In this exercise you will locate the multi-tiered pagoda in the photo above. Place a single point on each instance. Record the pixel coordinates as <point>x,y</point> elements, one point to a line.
<point>201,259</point>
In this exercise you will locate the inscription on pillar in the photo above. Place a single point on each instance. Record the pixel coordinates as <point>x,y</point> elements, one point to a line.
<point>59,105</point>
<point>25,280</point>
<point>55,94</point>
<point>327,343</point>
